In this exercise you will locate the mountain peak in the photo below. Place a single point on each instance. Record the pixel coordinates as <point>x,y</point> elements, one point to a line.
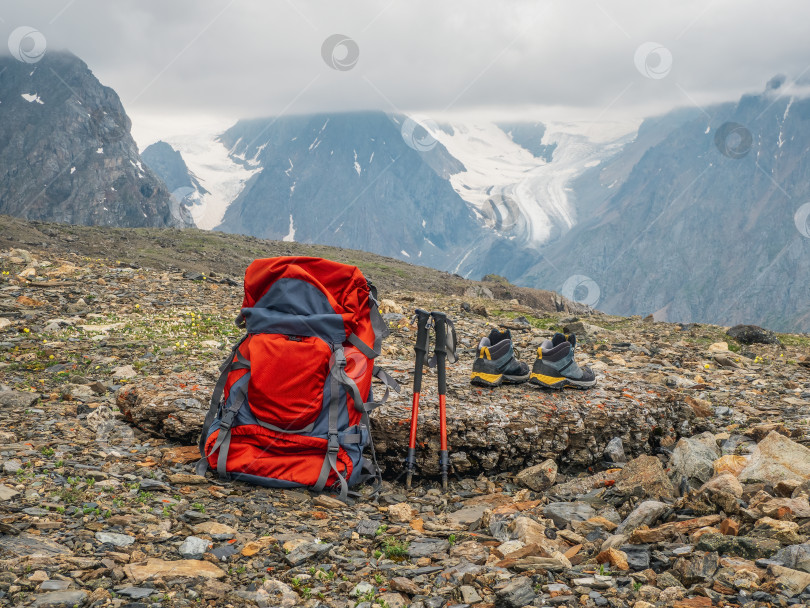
<point>67,154</point>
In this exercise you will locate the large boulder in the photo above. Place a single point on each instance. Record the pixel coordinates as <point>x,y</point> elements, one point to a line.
<point>693,459</point>
<point>776,458</point>
<point>644,477</point>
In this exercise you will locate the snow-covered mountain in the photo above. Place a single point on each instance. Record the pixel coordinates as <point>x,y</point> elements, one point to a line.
<point>704,217</point>
<point>471,197</point>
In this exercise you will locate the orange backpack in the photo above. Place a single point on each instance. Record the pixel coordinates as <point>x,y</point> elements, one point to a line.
<point>291,405</point>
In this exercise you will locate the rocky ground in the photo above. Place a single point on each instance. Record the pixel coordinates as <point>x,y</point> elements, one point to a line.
<point>681,480</point>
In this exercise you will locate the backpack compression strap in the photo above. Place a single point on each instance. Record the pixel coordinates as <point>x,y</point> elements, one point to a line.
<point>216,397</point>
<point>338,376</point>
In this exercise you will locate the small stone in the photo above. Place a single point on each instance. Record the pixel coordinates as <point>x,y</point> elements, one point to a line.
<point>367,527</point>
<point>614,451</point>
<point>327,502</point>
<point>405,585</point>
<point>112,538</point>
<point>7,493</point>
<point>10,467</point>
<point>698,568</point>
<point>17,399</point>
<point>215,530</point>
<point>137,593</point>
<point>510,546</point>
<point>729,527</point>
<point>730,463</point>
<point>563,513</point>
<point>725,483</point>
<point>188,479</point>
<point>392,600</point>
<point>638,556</point>
<point>786,532</point>
<point>38,576</point>
<point>305,552</point>
<point>792,582</point>
<point>124,372</point>
<point>427,547</point>
<point>665,579</point>
<point>362,588</point>
<point>516,594</point>
<point>56,585</point>
<point>194,547</point>
<point>538,477</point>
<point>469,595</point>
<point>645,514</point>
<point>793,555</point>
<point>614,557</point>
<point>401,513</point>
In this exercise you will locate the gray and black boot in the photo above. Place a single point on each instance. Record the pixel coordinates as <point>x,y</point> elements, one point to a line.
<point>555,366</point>
<point>496,363</point>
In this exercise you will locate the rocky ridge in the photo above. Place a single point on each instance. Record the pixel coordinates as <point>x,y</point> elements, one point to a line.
<point>66,151</point>
<point>681,480</point>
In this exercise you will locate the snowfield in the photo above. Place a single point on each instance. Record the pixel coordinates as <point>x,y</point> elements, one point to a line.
<point>517,194</point>
<point>210,162</point>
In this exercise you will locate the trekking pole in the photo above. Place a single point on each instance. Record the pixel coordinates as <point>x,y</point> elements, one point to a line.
<point>422,318</point>
<point>440,322</point>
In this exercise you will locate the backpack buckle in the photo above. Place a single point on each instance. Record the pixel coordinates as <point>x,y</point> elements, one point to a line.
<point>334,445</point>
<point>227,420</point>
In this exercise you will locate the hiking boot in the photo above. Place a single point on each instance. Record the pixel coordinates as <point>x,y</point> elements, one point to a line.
<point>496,363</point>
<point>555,366</point>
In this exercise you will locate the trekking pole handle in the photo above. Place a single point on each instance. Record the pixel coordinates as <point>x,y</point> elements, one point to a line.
<point>440,324</point>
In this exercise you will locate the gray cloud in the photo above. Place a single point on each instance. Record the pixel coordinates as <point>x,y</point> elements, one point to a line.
<point>259,57</point>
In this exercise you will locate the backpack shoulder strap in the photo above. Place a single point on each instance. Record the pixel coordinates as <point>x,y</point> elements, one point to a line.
<point>228,365</point>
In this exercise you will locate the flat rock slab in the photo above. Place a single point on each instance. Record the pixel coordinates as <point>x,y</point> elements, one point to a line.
<point>514,427</point>
<point>7,493</point>
<point>166,569</point>
<point>506,429</point>
<point>28,545</point>
<point>61,599</point>
<point>18,399</point>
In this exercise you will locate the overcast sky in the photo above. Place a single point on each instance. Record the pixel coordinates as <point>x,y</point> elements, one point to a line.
<point>177,62</point>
